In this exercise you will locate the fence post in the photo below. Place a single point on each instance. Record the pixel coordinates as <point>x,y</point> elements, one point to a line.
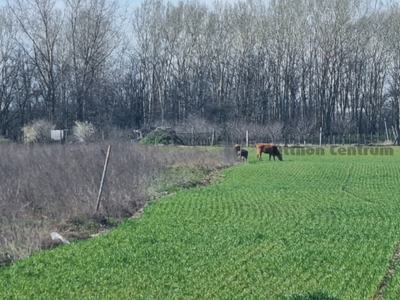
<point>394,134</point>
<point>212,137</point>
<point>387,134</point>
<point>192,135</point>
<point>320,136</point>
<point>247,138</point>
<point>103,177</point>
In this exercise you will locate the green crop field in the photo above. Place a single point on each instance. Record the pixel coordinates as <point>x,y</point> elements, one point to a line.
<point>310,227</point>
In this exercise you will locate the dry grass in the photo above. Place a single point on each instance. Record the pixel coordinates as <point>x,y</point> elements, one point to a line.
<point>54,187</point>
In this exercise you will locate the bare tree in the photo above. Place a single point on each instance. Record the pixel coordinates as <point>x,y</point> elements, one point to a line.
<point>394,70</point>
<point>8,71</point>
<point>275,132</point>
<point>302,130</point>
<point>93,34</point>
<point>147,33</point>
<point>41,24</point>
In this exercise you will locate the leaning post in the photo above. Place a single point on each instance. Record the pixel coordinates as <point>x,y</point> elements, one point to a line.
<point>103,177</point>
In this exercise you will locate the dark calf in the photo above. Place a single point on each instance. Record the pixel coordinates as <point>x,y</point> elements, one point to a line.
<point>243,154</point>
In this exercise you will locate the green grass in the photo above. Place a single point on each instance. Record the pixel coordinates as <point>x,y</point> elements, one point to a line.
<point>176,178</point>
<point>310,227</point>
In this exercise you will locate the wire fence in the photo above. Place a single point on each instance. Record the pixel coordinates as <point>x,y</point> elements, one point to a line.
<point>248,138</point>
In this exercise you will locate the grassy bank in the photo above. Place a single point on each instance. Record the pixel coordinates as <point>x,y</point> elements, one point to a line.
<point>45,188</point>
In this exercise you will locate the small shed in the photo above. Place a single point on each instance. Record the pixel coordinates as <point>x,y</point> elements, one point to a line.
<point>57,135</point>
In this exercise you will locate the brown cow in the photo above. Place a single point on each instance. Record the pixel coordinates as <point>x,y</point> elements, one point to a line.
<point>272,150</point>
<point>236,148</point>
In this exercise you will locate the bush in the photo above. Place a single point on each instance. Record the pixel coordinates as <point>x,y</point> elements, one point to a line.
<point>84,132</point>
<point>157,137</point>
<point>38,132</point>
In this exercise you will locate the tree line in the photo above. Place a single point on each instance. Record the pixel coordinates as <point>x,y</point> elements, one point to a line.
<point>288,64</point>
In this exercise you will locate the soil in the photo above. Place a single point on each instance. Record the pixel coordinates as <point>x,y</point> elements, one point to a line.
<point>389,273</point>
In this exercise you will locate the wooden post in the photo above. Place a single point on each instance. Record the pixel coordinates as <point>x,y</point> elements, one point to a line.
<point>386,130</point>
<point>320,136</point>
<point>247,138</point>
<point>394,135</point>
<point>103,177</point>
<point>212,137</point>
<point>192,135</point>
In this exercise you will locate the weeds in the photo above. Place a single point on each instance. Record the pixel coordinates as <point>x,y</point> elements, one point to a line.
<point>54,187</point>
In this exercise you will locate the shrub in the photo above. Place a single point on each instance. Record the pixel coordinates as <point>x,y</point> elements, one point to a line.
<point>38,132</point>
<point>84,132</point>
<point>157,137</point>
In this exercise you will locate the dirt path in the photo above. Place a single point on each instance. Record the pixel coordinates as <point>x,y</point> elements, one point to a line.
<point>389,273</point>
